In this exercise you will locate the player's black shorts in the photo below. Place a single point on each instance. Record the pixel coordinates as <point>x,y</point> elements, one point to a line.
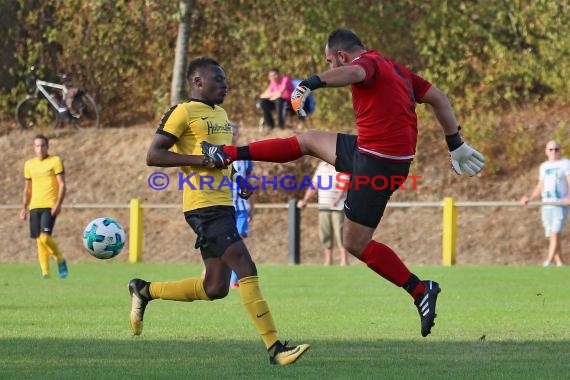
<point>41,220</point>
<point>365,202</point>
<point>215,227</point>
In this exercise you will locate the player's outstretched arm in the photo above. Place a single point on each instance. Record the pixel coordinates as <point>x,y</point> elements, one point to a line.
<point>343,76</point>
<point>337,77</point>
<point>158,154</point>
<point>464,158</point>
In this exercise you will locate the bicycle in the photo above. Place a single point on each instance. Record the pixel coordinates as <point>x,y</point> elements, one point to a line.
<point>49,103</point>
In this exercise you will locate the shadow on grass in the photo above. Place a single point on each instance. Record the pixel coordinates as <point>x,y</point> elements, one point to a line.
<point>139,358</point>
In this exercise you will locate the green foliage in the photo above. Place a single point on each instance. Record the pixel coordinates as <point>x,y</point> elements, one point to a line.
<point>112,49</point>
<point>487,55</point>
<point>495,53</point>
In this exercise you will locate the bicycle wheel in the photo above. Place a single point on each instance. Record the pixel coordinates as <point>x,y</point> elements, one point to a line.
<point>84,111</point>
<point>33,113</point>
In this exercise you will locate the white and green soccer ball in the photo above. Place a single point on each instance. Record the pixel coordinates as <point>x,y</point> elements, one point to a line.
<point>104,238</point>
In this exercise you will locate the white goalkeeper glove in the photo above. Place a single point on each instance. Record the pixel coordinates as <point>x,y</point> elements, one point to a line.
<point>464,159</point>
<point>467,160</point>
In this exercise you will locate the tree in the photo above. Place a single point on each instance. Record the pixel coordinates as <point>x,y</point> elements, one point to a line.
<point>180,57</point>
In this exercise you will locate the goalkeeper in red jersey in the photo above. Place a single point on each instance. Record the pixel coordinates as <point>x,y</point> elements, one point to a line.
<point>384,98</point>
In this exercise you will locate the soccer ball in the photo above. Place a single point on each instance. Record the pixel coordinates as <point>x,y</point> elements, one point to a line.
<point>104,238</point>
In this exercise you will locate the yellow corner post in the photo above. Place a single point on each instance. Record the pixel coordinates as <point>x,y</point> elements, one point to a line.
<point>449,231</point>
<point>136,231</point>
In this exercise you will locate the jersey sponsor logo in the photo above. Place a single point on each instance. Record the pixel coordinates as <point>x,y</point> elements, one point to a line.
<point>216,128</point>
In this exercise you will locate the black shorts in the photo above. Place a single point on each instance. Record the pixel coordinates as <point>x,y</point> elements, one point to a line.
<point>365,202</point>
<point>41,221</point>
<point>215,228</point>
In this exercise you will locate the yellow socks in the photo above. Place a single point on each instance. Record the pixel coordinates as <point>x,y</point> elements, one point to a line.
<point>258,310</point>
<point>188,290</point>
<point>52,246</point>
<point>192,289</point>
<point>43,257</point>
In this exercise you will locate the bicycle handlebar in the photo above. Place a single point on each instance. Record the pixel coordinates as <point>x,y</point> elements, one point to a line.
<point>33,74</point>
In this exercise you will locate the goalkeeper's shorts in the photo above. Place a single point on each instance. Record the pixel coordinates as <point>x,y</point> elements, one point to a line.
<point>372,182</point>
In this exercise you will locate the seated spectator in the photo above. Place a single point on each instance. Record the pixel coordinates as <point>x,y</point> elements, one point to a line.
<point>276,98</point>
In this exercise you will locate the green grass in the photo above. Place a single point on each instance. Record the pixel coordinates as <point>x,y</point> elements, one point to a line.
<point>359,326</point>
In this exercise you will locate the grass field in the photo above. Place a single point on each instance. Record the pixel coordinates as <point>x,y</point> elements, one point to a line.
<point>494,322</point>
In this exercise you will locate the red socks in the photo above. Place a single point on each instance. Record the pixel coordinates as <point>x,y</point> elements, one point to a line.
<point>271,150</point>
<point>384,261</point>
<point>231,151</point>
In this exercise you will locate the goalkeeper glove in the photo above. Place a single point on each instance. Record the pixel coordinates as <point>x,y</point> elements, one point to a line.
<point>467,160</point>
<point>302,92</point>
<point>464,159</point>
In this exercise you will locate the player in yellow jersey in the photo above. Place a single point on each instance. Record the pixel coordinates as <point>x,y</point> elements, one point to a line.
<point>43,195</point>
<point>208,209</point>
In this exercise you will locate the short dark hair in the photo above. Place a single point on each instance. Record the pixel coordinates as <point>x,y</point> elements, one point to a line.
<point>275,70</point>
<point>344,39</point>
<point>199,63</point>
<point>42,137</point>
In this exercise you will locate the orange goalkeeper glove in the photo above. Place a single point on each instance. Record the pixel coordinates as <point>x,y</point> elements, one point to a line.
<point>302,92</point>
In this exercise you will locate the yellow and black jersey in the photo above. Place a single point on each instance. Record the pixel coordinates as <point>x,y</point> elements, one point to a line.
<point>191,123</point>
<point>45,187</point>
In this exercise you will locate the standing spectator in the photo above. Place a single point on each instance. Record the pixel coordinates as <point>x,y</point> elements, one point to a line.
<point>331,202</point>
<point>276,98</point>
<point>553,185</point>
<point>43,196</point>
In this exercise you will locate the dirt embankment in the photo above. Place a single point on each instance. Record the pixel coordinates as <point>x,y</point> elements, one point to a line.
<point>107,167</point>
